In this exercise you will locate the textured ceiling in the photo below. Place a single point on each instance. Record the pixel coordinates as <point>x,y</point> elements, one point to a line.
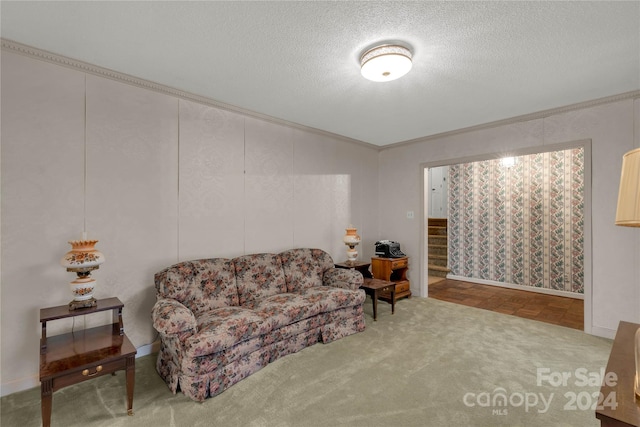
<point>474,62</point>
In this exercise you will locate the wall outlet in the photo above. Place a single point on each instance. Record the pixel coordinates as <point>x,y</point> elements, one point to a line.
<point>409,214</point>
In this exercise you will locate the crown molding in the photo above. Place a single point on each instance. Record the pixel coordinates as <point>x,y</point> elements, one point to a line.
<point>519,119</point>
<point>85,67</point>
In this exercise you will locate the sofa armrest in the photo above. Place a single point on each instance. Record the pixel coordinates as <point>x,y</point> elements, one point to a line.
<point>343,278</point>
<point>171,317</point>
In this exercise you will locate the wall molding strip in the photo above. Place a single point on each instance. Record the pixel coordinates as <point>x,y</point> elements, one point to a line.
<point>43,55</point>
<point>85,67</point>
<point>519,119</point>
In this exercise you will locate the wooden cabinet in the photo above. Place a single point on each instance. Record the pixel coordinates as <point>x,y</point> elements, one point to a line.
<point>81,355</point>
<point>392,270</point>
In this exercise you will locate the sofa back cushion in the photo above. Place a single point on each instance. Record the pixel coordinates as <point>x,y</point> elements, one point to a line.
<point>258,276</point>
<point>201,285</point>
<point>304,267</point>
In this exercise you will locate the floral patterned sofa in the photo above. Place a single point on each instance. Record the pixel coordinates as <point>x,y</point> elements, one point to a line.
<point>221,320</point>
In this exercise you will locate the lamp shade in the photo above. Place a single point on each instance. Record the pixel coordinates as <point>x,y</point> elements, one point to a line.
<point>385,63</point>
<point>628,212</point>
<point>83,256</point>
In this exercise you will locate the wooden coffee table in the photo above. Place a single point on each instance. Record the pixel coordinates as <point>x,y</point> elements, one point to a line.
<point>374,287</point>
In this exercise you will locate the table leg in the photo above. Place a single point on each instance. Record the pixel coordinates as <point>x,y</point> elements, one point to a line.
<point>46,400</point>
<point>131,377</point>
<point>393,299</point>
<point>374,297</point>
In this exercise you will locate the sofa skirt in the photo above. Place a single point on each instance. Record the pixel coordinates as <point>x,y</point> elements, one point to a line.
<point>209,375</point>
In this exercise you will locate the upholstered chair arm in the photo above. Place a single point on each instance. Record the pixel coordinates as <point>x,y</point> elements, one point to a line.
<point>342,278</point>
<point>170,317</point>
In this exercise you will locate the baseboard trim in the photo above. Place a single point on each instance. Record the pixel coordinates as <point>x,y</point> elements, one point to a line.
<point>148,349</point>
<point>19,385</point>
<point>603,332</point>
<point>34,380</point>
<point>518,287</point>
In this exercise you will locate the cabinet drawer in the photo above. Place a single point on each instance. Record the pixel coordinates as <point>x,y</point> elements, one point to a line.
<point>387,289</point>
<point>96,370</point>
<point>401,263</point>
<point>402,287</point>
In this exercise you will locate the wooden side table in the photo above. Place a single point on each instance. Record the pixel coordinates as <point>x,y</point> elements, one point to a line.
<point>622,408</point>
<point>74,357</point>
<point>361,266</point>
<point>374,288</point>
<point>392,270</point>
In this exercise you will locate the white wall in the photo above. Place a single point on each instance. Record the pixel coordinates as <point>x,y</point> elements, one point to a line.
<point>616,250</point>
<point>167,179</point>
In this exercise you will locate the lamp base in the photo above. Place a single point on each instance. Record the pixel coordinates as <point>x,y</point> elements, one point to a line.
<point>74,305</point>
<point>352,253</point>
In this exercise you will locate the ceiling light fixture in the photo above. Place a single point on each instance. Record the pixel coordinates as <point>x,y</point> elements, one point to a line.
<point>385,63</point>
<point>508,162</point>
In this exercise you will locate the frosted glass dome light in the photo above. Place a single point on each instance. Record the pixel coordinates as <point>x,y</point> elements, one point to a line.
<point>385,63</point>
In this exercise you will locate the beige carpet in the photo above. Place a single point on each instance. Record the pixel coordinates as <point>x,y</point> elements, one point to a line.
<point>433,363</point>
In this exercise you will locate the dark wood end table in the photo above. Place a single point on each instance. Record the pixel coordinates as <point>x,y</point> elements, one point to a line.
<point>625,410</point>
<point>77,356</point>
<point>361,266</point>
<point>374,287</point>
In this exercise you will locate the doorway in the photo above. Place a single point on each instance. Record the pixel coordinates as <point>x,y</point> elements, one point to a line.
<point>437,235</point>
<point>520,224</point>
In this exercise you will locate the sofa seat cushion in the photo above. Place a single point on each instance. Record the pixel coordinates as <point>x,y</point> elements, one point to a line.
<point>285,309</point>
<point>328,299</point>
<point>222,328</point>
<point>258,276</point>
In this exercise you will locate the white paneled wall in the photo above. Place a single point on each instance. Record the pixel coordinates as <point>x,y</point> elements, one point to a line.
<point>322,193</point>
<point>132,177</point>
<point>166,180</point>
<point>268,195</point>
<point>211,182</point>
<point>42,187</point>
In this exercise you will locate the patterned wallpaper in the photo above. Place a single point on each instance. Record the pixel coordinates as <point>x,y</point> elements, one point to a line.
<point>522,224</point>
